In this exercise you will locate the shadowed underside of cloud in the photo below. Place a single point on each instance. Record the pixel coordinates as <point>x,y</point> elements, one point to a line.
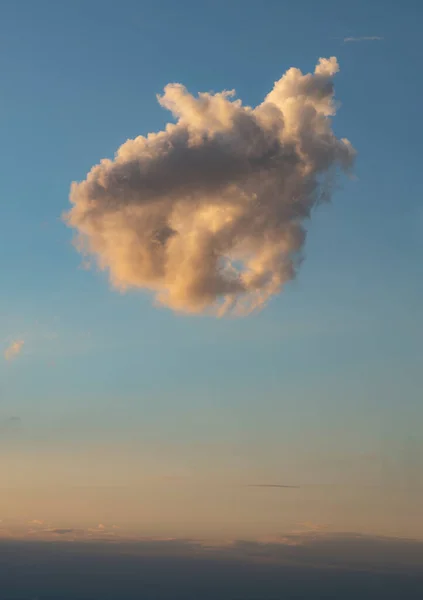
<point>209,214</point>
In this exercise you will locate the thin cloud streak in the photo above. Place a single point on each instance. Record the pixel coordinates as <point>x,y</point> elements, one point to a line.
<point>366,38</point>
<point>272,485</point>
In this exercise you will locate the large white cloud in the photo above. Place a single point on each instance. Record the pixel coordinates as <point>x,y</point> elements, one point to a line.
<point>209,213</point>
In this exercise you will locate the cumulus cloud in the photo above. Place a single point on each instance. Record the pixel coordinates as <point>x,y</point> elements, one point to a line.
<point>366,38</point>
<point>14,349</point>
<point>209,214</point>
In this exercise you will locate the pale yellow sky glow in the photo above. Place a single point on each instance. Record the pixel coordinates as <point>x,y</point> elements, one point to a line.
<point>125,496</point>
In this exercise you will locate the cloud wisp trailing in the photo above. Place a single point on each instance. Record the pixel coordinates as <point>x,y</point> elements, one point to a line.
<point>14,349</point>
<point>365,38</point>
<point>209,214</point>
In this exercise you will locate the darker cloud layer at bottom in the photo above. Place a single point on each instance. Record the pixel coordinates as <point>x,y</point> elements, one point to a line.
<point>342,567</point>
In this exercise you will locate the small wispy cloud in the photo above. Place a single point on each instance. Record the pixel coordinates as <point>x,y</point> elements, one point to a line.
<point>10,424</point>
<point>364,38</point>
<point>62,531</point>
<point>14,349</point>
<point>99,529</point>
<point>309,528</point>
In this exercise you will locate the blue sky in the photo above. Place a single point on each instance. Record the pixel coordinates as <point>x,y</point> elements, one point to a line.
<point>332,367</point>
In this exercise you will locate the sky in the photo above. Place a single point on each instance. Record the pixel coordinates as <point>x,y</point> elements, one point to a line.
<point>140,414</point>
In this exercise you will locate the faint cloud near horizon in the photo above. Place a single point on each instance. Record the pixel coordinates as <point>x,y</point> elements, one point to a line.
<point>365,38</point>
<point>62,531</point>
<point>272,485</point>
<point>14,349</point>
